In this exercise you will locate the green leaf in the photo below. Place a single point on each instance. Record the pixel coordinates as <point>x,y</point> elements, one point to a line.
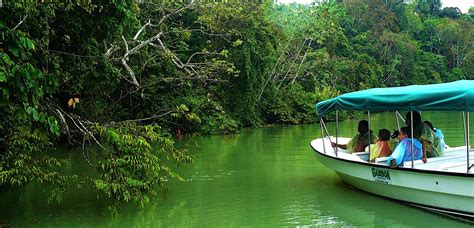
<point>35,115</point>
<point>29,110</point>
<point>183,108</point>
<point>27,43</point>
<point>54,129</point>
<point>6,58</point>
<point>6,92</point>
<point>30,44</point>
<point>3,77</point>
<point>43,118</point>
<point>14,51</point>
<point>237,43</point>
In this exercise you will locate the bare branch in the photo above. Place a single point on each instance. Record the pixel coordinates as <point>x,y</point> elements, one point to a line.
<point>131,73</point>
<point>142,44</point>
<point>110,51</point>
<point>274,70</point>
<point>148,118</point>
<point>302,60</point>
<point>127,67</point>
<point>126,45</point>
<point>84,155</point>
<point>141,30</point>
<point>72,54</point>
<point>177,10</point>
<point>291,66</point>
<point>64,124</point>
<point>21,22</point>
<point>193,70</point>
<point>78,123</point>
<point>200,53</point>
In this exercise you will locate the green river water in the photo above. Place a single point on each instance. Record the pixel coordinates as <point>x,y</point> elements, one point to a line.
<point>263,178</point>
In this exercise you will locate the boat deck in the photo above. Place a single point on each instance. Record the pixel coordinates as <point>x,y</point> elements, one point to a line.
<point>454,159</point>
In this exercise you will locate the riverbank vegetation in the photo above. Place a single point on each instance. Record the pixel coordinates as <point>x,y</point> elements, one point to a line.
<point>134,76</point>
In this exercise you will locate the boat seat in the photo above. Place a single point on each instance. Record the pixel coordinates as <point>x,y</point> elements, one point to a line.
<point>348,156</point>
<point>447,166</point>
<point>364,156</point>
<point>360,153</point>
<point>381,160</point>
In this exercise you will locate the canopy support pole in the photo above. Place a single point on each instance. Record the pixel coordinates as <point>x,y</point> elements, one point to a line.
<point>322,135</point>
<point>412,147</point>
<point>468,144</point>
<point>368,117</point>
<point>465,117</point>
<point>337,131</point>
<point>398,122</point>
<point>399,115</point>
<point>327,132</point>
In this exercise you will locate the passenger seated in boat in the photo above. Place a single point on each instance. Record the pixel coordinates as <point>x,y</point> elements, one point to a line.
<point>437,148</point>
<point>421,132</point>
<point>359,141</point>
<point>393,139</point>
<point>382,147</point>
<point>402,152</point>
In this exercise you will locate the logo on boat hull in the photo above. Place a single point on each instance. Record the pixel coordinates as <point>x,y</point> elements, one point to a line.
<point>381,175</point>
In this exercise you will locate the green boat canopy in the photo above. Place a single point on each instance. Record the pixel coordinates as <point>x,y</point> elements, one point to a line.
<point>452,96</point>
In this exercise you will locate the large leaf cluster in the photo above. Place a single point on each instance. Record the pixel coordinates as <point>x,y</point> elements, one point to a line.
<point>132,164</point>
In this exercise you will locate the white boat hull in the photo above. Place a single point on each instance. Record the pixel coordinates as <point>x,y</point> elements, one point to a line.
<point>450,192</point>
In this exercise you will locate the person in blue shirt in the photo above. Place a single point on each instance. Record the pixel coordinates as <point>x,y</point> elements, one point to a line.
<point>421,132</point>
<point>402,151</point>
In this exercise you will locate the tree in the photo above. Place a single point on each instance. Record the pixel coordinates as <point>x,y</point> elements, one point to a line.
<point>428,7</point>
<point>46,60</point>
<point>252,44</point>
<point>409,21</point>
<point>451,12</point>
<point>468,65</point>
<point>456,40</point>
<point>373,15</point>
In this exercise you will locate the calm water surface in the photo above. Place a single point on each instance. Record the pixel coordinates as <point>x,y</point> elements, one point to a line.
<point>264,177</point>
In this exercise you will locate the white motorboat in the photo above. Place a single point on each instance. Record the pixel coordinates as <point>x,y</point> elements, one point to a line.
<point>444,184</point>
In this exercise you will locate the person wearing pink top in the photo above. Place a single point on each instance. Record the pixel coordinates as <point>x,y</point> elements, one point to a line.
<point>382,147</point>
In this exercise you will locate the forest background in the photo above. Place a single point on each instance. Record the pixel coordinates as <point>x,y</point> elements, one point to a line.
<point>132,77</point>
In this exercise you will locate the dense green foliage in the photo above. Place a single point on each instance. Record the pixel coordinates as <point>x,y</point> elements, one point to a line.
<point>129,76</point>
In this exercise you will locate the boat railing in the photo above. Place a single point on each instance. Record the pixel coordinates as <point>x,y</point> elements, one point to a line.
<point>412,162</point>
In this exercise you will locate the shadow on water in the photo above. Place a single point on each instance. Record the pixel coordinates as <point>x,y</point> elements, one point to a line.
<point>28,205</point>
<point>356,207</point>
